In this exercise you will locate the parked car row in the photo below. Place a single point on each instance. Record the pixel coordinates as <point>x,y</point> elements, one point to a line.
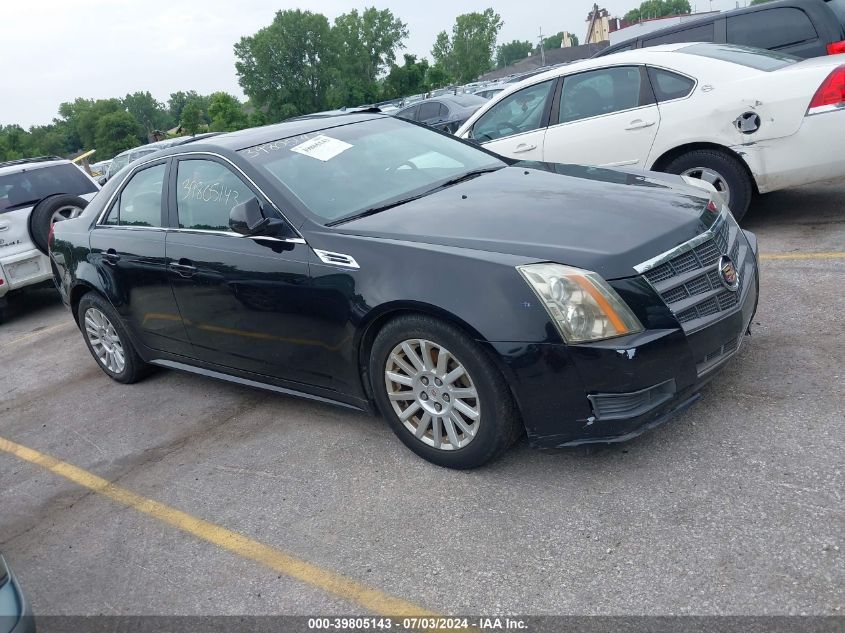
<point>746,120</point>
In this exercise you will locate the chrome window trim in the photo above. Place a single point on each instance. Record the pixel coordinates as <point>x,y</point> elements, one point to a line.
<point>187,154</point>
<point>710,233</point>
<point>269,238</point>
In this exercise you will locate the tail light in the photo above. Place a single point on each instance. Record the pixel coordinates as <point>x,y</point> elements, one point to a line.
<point>50,235</point>
<point>831,94</point>
<point>836,48</point>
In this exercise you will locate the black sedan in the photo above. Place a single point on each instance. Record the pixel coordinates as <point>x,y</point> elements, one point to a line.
<point>375,263</point>
<point>446,113</point>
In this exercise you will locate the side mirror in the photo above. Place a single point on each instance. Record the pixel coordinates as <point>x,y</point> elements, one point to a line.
<point>248,219</point>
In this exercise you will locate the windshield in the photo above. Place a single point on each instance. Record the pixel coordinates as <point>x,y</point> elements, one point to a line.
<point>756,58</point>
<point>342,171</point>
<point>26,187</point>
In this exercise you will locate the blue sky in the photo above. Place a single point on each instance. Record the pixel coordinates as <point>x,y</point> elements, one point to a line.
<point>56,50</point>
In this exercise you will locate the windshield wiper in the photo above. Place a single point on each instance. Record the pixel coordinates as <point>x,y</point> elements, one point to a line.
<point>384,207</point>
<point>467,176</point>
<point>378,209</point>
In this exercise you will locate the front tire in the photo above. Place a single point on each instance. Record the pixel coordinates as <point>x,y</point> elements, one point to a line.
<point>441,394</point>
<point>107,340</point>
<point>722,170</point>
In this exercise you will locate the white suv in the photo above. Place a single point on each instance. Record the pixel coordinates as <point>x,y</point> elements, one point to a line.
<point>34,193</point>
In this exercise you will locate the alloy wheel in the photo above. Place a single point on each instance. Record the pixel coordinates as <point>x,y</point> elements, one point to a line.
<point>433,394</point>
<point>714,178</point>
<point>104,341</point>
<point>65,213</point>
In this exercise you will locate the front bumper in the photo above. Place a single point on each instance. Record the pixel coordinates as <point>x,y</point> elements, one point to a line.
<point>613,390</point>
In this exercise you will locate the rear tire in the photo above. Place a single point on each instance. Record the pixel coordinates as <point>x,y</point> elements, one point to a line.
<point>458,411</point>
<point>108,341</point>
<point>52,209</point>
<point>726,167</point>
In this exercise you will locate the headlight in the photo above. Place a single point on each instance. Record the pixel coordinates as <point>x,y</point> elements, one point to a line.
<point>582,305</point>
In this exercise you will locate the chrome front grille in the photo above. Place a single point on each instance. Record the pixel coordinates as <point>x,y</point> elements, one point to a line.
<point>687,278</point>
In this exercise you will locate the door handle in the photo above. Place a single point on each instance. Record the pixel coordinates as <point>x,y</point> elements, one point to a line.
<point>184,268</point>
<point>639,124</point>
<point>111,256</point>
<point>523,147</point>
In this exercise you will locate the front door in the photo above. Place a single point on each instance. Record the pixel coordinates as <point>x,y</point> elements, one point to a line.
<point>127,249</point>
<point>516,125</point>
<point>243,300</point>
<point>605,117</point>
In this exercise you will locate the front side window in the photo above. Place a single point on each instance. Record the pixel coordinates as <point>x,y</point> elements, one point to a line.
<point>139,204</point>
<point>517,113</point>
<point>342,171</point>
<point>409,113</point>
<point>668,85</point>
<point>205,194</point>
<point>599,92</point>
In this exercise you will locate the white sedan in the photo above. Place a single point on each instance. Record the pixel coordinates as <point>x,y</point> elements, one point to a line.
<point>745,120</point>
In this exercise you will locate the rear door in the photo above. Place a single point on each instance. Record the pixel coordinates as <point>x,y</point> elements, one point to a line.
<point>606,116</point>
<point>515,126</point>
<point>127,249</point>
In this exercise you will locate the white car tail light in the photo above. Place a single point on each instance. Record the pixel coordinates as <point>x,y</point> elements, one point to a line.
<point>830,95</point>
<point>835,48</point>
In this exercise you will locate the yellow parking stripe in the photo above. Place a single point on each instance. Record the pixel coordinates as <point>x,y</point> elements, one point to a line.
<point>798,255</point>
<point>369,598</point>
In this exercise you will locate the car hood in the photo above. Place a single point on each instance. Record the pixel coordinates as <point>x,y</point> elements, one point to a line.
<point>603,220</point>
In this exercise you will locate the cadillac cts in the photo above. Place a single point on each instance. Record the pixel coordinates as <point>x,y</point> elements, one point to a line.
<point>375,263</point>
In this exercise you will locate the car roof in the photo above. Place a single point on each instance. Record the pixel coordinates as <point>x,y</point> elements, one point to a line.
<point>26,164</point>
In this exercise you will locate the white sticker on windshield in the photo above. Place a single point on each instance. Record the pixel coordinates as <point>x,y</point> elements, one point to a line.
<point>321,147</point>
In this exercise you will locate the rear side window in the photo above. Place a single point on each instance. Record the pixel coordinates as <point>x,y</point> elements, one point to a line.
<point>750,57</point>
<point>429,110</point>
<point>702,33</point>
<point>771,29</point>
<point>206,193</point>
<point>139,204</point>
<point>668,85</point>
<point>30,185</point>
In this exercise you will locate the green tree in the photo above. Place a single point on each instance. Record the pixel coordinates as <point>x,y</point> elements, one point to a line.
<point>364,47</point>
<point>507,54</point>
<point>438,77</point>
<point>226,113</point>
<point>468,53</point>
<point>556,40</point>
<point>116,131</point>
<point>406,80</point>
<point>651,9</point>
<point>288,65</point>
<point>192,116</point>
<point>151,114</point>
